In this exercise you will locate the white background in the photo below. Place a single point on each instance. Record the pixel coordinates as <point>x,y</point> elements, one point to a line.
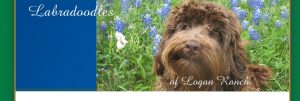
<point>149,96</point>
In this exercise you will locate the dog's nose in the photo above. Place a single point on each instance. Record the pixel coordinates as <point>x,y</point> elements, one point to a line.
<point>191,47</point>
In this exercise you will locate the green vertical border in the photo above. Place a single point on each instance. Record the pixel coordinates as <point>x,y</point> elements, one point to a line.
<point>295,50</point>
<point>6,50</point>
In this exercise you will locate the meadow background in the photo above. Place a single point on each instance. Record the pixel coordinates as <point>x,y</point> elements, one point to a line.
<point>127,40</point>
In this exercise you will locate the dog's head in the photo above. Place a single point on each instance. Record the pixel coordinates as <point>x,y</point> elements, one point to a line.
<point>201,40</point>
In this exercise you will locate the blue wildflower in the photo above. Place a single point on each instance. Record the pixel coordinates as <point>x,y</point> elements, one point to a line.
<point>278,23</point>
<point>119,25</point>
<point>261,3</point>
<point>109,1</point>
<point>284,14</point>
<point>152,32</point>
<point>168,2</point>
<point>136,3</point>
<point>266,17</point>
<point>147,20</point>
<point>154,35</point>
<point>273,2</point>
<point>234,3</point>
<point>241,13</point>
<point>103,27</point>
<point>253,33</point>
<point>245,24</point>
<point>125,6</point>
<point>98,5</point>
<point>107,8</point>
<point>156,42</point>
<point>104,4</point>
<point>256,16</point>
<point>164,11</point>
<point>158,11</point>
<point>256,4</point>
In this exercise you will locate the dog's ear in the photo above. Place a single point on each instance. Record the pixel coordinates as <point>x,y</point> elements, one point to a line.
<point>158,67</point>
<point>236,53</point>
<point>239,56</point>
<point>170,27</point>
<point>237,45</point>
<point>237,61</point>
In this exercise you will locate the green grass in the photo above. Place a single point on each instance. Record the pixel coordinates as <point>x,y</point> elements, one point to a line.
<point>130,68</point>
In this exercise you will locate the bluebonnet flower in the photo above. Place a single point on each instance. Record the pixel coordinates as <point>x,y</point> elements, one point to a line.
<point>273,2</point>
<point>256,16</point>
<point>278,23</point>
<point>103,27</point>
<point>119,25</point>
<point>234,3</point>
<point>154,35</point>
<point>256,4</point>
<point>109,1</point>
<point>164,11</point>
<point>168,2</point>
<point>284,14</point>
<point>107,7</point>
<point>152,32</point>
<point>136,3</point>
<point>266,17</point>
<point>245,24</point>
<point>147,20</point>
<point>125,6</point>
<point>253,33</point>
<point>97,75</point>
<point>261,3</point>
<point>156,42</point>
<point>104,3</point>
<point>241,13</point>
<point>97,3</point>
<point>158,11</point>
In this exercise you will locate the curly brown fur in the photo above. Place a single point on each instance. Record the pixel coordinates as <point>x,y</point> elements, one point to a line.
<point>258,76</point>
<point>201,40</point>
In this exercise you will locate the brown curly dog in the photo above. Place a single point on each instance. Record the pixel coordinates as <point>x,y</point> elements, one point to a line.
<point>202,50</point>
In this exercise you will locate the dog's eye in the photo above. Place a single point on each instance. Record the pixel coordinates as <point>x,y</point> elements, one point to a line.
<point>183,26</point>
<point>176,57</point>
<point>216,33</point>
